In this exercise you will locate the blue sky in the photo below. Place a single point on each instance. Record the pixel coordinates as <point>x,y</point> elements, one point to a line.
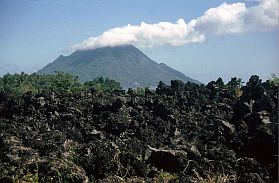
<point>35,32</point>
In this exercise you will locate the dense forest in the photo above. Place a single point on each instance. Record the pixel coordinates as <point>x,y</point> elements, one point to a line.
<point>55,129</point>
<point>60,82</point>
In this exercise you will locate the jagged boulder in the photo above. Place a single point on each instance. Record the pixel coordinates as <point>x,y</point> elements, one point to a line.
<point>170,160</point>
<point>265,103</point>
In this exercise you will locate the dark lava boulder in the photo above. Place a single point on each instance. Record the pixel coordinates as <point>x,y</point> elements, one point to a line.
<point>183,132</point>
<point>170,160</point>
<point>265,103</point>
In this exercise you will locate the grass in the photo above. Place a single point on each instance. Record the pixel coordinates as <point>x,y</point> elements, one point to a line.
<point>221,178</point>
<point>28,178</point>
<point>121,170</point>
<point>166,177</point>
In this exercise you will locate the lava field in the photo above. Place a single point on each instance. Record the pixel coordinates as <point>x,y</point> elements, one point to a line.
<point>179,133</point>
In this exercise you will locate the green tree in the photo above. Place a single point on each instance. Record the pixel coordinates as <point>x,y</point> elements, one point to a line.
<point>219,82</point>
<point>60,82</point>
<point>274,79</point>
<point>103,85</point>
<point>235,83</point>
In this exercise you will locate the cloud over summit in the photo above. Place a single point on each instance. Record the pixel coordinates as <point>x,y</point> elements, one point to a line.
<point>225,19</point>
<point>146,35</point>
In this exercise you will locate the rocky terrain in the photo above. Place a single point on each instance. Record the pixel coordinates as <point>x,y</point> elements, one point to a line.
<point>179,133</point>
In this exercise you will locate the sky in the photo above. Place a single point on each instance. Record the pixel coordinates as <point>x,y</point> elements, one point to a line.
<point>202,39</point>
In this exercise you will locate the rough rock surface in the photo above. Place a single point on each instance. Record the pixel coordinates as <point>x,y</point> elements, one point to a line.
<point>183,133</point>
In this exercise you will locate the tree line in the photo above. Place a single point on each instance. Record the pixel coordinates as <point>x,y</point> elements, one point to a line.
<point>60,82</point>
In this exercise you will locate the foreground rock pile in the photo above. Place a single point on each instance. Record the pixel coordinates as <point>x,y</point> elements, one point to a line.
<point>178,133</point>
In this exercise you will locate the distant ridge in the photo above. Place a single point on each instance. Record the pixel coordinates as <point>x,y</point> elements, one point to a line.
<point>125,64</point>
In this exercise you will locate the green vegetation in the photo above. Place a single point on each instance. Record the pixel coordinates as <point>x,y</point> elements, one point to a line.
<point>28,178</point>
<point>101,84</point>
<point>235,83</point>
<point>60,82</point>
<point>219,178</point>
<point>166,177</point>
<point>274,79</point>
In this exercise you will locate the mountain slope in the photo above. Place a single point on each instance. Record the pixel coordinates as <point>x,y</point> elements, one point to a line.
<point>125,64</point>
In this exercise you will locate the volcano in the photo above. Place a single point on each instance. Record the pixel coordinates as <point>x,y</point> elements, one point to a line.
<point>125,64</point>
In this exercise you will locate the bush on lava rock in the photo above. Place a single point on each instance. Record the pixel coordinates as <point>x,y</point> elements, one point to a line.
<point>179,133</point>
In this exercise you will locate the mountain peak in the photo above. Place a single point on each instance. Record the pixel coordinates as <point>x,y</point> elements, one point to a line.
<point>119,47</point>
<point>124,63</point>
<point>108,49</point>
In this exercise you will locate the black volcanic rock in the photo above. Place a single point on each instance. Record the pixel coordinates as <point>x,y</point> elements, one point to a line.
<point>125,64</point>
<point>184,131</point>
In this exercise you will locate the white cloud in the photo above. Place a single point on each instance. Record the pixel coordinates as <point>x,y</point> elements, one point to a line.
<point>225,19</point>
<point>237,18</point>
<point>263,17</point>
<point>145,35</point>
